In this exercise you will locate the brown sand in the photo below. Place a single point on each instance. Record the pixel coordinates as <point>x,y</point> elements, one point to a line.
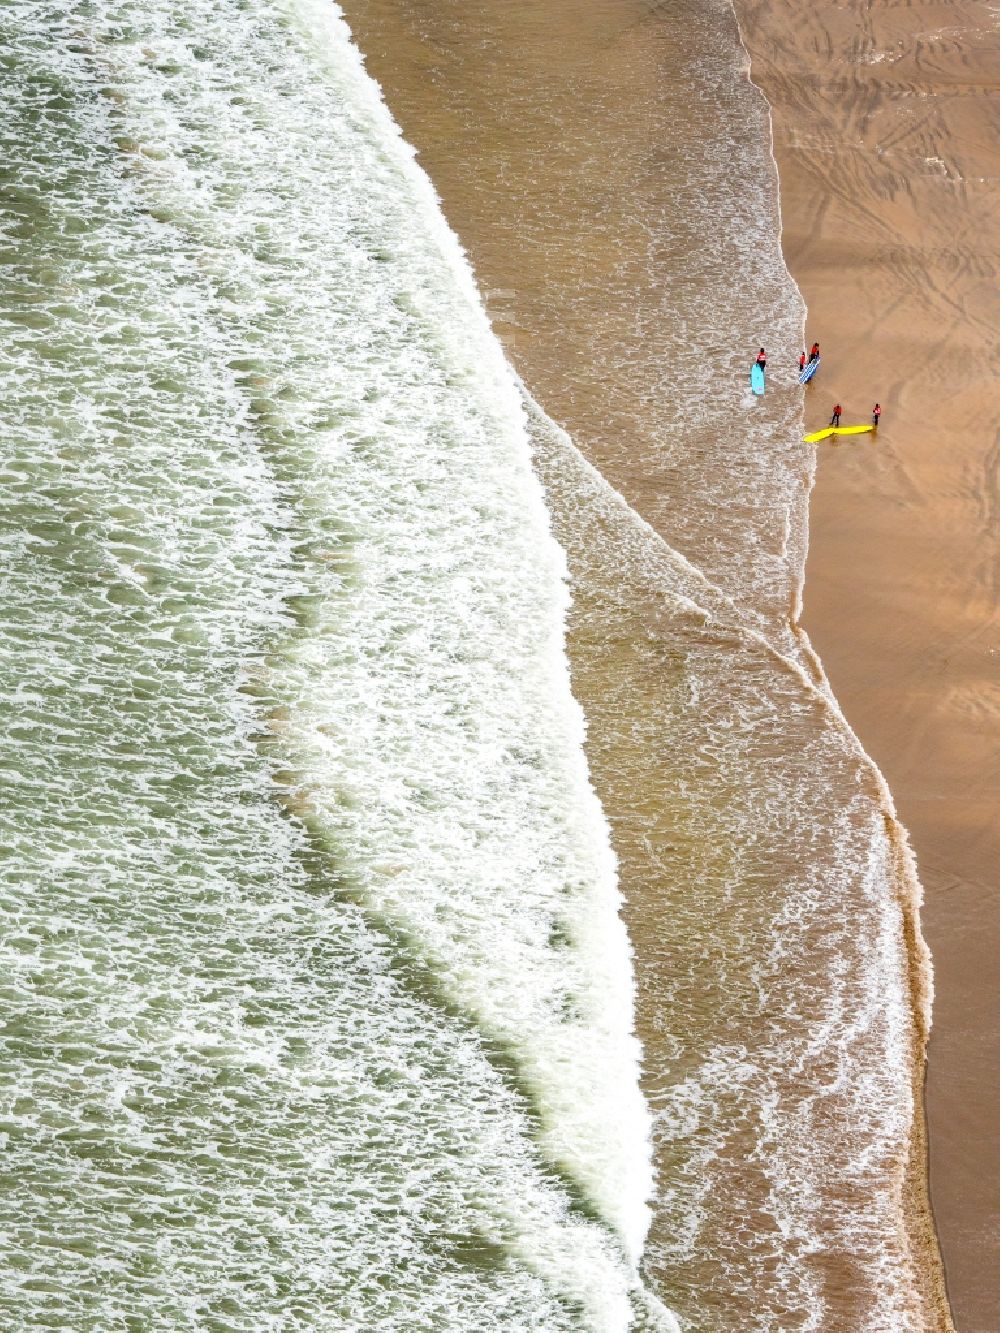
<point>887,136</point>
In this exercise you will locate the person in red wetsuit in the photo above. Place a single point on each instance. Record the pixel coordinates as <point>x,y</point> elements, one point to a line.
<point>802,362</point>
<point>876,413</point>
<point>835,419</point>
<point>762,358</point>
<point>814,353</point>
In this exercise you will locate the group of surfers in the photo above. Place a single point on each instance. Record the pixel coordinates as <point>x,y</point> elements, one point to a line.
<point>813,356</point>
<point>807,361</point>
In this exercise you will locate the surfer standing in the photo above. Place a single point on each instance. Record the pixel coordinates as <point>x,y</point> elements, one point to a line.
<point>835,419</point>
<point>802,362</point>
<point>814,353</point>
<point>762,359</point>
<point>876,413</point>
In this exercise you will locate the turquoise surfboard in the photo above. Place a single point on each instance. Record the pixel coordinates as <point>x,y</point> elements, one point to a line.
<point>757,378</point>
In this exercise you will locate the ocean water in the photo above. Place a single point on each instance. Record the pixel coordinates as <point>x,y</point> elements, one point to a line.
<point>317,1003</point>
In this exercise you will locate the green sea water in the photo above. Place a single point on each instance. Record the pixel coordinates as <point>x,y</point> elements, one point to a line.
<point>312,975</point>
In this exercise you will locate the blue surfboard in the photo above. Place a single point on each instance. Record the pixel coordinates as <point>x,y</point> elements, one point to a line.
<point>809,371</point>
<point>757,378</point>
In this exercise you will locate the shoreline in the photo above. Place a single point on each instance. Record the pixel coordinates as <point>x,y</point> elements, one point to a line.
<point>918,1221</point>
<point>861,172</point>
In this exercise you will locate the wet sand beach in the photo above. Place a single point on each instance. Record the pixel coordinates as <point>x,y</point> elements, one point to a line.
<point>887,136</point>
<point>569,144</point>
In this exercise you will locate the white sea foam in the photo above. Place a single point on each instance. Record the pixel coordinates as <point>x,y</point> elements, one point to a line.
<point>388,1041</point>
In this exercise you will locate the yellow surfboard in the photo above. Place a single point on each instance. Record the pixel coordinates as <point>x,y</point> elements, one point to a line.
<point>835,430</point>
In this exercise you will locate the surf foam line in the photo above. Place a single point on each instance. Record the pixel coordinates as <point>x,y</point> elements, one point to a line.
<point>649,557</point>
<point>431,595</point>
<point>706,600</point>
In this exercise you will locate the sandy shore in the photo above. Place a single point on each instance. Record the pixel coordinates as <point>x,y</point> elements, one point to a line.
<point>887,136</point>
